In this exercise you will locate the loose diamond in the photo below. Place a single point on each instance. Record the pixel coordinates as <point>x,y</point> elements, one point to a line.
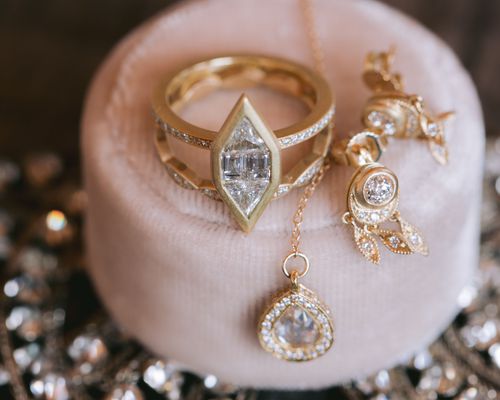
<point>296,327</point>
<point>51,386</point>
<point>125,392</point>
<point>88,349</point>
<point>246,166</point>
<point>379,189</point>
<point>494,352</point>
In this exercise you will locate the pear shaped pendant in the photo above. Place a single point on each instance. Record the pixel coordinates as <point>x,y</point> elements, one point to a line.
<point>297,326</point>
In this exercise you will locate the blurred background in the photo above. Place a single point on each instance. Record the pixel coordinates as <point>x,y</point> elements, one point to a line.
<point>51,48</point>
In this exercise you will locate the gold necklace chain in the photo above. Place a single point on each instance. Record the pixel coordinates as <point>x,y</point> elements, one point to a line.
<point>319,61</point>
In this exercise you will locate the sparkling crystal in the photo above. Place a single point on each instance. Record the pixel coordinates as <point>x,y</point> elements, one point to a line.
<point>382,380</point>
<point>88,349</point>
<point>469,394</point>
<point>422,360</point>
<point>164,378</point>
<point>56,220</point>
<point>494,352</point>
<point>125,392</point>
<point>246,165</point>
<point>24,356</point>
<point>35,262</point>
<point>212,383</point>
<point>379,189</point>
<point>382,121</point>
<point>50,387</point>
<point>26,321</point>
<point>443,379</point>
<point>4,376</point>
<point>27,289</point>
<point>296,327</point>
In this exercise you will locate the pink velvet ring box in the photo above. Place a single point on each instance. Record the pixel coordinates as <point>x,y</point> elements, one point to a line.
<point>173,268</point>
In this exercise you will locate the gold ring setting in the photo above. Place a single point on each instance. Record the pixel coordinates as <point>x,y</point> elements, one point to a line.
<point>245,153</point>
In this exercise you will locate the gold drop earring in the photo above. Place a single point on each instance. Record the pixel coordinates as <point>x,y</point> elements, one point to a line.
<point>373,199</point>
<point>397,113</point>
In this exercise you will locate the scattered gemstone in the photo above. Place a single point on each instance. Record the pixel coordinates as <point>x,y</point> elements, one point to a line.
<point>56,220</point>
<point>4,376</point>
<point>125,392</point>
<point>164,378</point>
<point>212,383</point>
<point>26,288</point>
<point>88,349</point>
<point>383,381</point>
<point>24,356</point>
<point>494,352</point>
<point>422,360</point>
<point>50,387</point>
<point>26,322</point>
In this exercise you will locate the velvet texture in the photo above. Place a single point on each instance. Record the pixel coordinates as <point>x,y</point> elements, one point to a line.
<point>172,267</point>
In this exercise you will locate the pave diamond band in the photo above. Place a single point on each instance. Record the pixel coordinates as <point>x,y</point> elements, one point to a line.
<point>245,154</point>
<point>223,72</point>
<point>284,142</point>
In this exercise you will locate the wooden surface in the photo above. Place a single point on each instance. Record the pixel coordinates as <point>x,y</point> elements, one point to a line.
<point>50,49</point>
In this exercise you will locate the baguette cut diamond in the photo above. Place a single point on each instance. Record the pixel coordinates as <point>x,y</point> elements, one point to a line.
<point>246,166</point>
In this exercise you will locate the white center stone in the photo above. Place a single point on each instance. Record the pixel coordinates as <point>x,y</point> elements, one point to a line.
<point>296,328</point>
<point>382,121</point>
<point>246,165</point>
<point>379,189</point>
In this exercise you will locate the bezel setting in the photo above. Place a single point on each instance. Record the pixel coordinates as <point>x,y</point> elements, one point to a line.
<point>307,301</point>
<point>244,113</point>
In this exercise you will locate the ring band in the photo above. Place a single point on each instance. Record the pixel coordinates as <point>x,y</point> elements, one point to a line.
<point>245,153</point>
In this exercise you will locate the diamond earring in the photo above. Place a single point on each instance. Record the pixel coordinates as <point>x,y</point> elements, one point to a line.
<point>373,199</point>
<point>397,113</point>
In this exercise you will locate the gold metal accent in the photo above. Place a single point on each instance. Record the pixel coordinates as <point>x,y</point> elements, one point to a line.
<point>240,72</point>
<point>243,72</point>
<point>295,274</point>
<point>398,114</point>
<point>365,215</point>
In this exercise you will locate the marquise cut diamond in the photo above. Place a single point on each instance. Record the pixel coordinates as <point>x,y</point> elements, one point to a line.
<point>246,166</point>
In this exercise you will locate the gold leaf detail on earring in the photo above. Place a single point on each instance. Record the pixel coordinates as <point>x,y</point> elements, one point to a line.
<point>367,245</point>
<point>394,241</point>
<point>439,151</point>
<point>413,237</point>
